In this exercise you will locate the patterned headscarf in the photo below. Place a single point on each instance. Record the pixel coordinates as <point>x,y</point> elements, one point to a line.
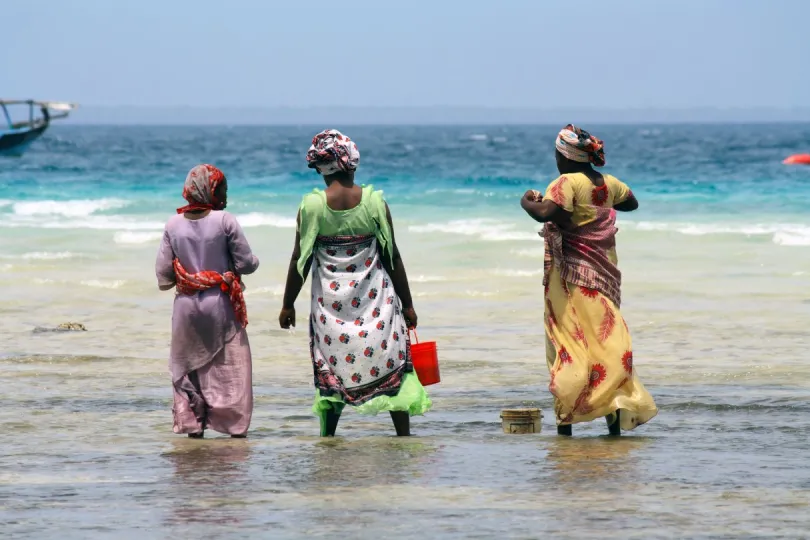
<point>578,145</point>
<point>331,152</point>
<point>199,188</point>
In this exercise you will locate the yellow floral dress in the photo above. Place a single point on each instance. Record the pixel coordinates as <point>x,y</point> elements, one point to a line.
<point>588,347</point>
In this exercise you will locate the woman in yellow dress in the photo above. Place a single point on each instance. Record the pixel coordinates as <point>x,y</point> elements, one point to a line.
<point>588,347</point>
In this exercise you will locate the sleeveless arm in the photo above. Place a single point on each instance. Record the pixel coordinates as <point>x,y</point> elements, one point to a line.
<point>244,261</point>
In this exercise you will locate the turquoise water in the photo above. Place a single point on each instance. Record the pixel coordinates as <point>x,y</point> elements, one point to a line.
<point>716,266</point>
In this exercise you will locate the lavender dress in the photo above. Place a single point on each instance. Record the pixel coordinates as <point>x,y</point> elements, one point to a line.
<point>210,359</point>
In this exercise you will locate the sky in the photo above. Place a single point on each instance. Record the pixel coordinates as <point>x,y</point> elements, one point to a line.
<point>371,53</point>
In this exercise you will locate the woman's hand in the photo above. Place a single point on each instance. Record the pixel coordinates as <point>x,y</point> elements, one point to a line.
<point>287,318</point>
<point>533,195</point>
<point>411,320</point>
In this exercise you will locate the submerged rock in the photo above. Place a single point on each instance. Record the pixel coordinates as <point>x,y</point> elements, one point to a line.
<point>64,327</point>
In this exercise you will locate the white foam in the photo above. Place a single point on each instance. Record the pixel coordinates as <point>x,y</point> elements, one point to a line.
<point>113,284</point>
<point>5,202</point>
<point>426,279</point>
<point>783,234</point>
<point>88,222</point>
<point>275,290</point>
<point>136,237</point>
<point>518,273</point>
<point>537,253</point>
<point>49,256</point>
<point>77,208</point>
<point>480,294</point>
<point>783,238</point>
<point>256,219</point>
<point>479,137</point>
<point>490,230</point>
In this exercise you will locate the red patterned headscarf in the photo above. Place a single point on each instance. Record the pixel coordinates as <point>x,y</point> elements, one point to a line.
<point>578,145</point>
<point>331,152</point>
<point>199,188</point>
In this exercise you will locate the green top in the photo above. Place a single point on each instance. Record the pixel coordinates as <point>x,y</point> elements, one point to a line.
<point>368,217</point>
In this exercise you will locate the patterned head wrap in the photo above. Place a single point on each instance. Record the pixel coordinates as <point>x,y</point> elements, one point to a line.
<point>199,188</point>
<point>578,145</point>
<point>331,152</point>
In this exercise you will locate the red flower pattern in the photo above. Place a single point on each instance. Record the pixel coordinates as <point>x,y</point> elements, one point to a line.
<point>579,335</point>
<point>556,193</point>
<point>627,361</point>
<point>608,322</point>
<point>552,319</point>
<point>565,357</point>
<point>598,374</point>
<point>588,292</point>
<point>599,195</point>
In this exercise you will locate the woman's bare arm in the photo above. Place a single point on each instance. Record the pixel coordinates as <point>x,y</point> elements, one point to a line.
<point>399,277</point>
<point>295,282</point>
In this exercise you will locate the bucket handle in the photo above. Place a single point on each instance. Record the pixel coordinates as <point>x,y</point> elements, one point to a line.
<point>412,329</point>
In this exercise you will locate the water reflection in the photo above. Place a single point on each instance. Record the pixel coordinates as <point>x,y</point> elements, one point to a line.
<point>358,463</point>
<point>577,462</point>
<point>207,471</point>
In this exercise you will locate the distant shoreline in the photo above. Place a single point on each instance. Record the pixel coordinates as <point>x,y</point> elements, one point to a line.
<point>423,116</point>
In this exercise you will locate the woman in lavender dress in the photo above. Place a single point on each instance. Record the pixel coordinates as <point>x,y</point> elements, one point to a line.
<point>203,253</point>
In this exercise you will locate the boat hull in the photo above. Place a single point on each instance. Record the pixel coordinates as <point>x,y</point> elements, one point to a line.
<point>16,142</point>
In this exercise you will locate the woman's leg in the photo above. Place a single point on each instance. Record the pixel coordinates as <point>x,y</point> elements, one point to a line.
<point>614,424</point>
<point>402,423</point>
<point>190,410</point>
<point>566,430</point>
<point>227,385</point>
<point>330,422</point>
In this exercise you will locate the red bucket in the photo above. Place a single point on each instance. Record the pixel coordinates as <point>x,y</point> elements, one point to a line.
<point>425,361</point>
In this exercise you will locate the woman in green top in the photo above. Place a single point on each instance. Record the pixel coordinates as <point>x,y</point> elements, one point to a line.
<point>361,302</point>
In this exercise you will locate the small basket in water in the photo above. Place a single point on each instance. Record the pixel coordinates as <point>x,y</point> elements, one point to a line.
<point>521,420</point>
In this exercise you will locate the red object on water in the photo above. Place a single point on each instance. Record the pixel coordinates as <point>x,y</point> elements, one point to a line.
<point>425,360</point>
<point>798,159</point>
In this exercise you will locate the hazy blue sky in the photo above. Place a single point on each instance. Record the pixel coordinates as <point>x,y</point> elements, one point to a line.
<point>521,53</point>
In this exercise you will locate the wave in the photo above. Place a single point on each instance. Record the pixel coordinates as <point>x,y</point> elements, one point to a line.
<point>486,229</point>
<point>537,253</point>
<point>110,284</point>
<point>96,283</point>
<point>784,234</point>
<point>426,279</point>
<point>49,256</point>
<point>256,219</point>
<point>274,290</point>
<point>518,273</point>
<point>135,237</point>
<point>88,222</point>
<point>76,208</point>
<point>783,238</point>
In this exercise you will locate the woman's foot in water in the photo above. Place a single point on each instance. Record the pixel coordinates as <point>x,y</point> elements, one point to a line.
<point>402,423</point>
<point>199,435</point>
<point>331,419</point>
<point>614,426</point>
<point>565,431</point>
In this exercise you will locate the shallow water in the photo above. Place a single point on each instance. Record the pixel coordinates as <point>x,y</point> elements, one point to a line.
<point>716,301</point>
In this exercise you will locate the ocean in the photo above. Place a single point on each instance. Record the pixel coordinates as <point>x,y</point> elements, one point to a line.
<point>716,269</point>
